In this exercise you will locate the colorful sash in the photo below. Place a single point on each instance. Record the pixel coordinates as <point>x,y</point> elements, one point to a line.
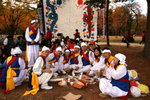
<point>74,57</point>
<point>33,81</point>
<point>55,59</point>
<point>108,61</point>
<point>66,59</point>
<point>98,59</point>
<point>7,75</point>
<point>33,30</point>
<point>85,56</point>
<point>124,80</point>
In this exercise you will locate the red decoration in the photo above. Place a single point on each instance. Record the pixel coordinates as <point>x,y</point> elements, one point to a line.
<point>80,2</point>
<point>88,18</point>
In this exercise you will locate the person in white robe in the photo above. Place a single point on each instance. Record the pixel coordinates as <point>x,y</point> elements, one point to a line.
<point>106,53</point>
<point>18,66</point>
<point>39,68</point>
<point>53,60</point>
<point>32,36</point>
<point>75,60</point>
<point>86,58</point>
<point>118,86</point>
<point>65,62</point>
<point>98,63</point>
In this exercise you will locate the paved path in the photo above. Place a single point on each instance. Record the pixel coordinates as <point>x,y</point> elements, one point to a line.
<point>121,44</point>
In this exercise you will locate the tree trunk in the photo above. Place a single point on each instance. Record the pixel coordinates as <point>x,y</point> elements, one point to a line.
<point>107,23</point>
<point>146,50</point>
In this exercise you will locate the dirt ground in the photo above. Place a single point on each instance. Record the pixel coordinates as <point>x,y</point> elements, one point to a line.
<point>91,92</point>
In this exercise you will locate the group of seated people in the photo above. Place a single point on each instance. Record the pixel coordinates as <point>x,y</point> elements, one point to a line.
<point>80,58</point>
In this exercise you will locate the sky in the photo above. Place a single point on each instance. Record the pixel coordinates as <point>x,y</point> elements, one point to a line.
<point>142,3</point>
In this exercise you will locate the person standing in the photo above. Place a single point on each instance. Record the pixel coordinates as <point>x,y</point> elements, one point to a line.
<point>77,34</point>
<point>49,37</point>
<point>32,36</point>
<point>143,37</point>
<point>128,38</point>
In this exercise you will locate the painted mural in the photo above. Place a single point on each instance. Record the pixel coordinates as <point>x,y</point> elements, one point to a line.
<point>64,16</point>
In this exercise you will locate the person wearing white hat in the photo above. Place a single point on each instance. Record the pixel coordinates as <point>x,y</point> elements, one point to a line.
<point>53,60</point>
<point>39,68</point>
<point>17,65</point>
<point>118,86</point>
<point>32,36</point>
<point>65,62</point>
<point>85,55</point>
<point>76,61</point>
<point>108,61</point>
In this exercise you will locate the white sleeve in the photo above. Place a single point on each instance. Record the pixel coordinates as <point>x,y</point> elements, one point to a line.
<point>22,64</point>
<point>91,58</point>
<point>27,35</point>
<point>37,36</point>
<point>50,56</point>
<point>80,61</point>
<point>119,73</point>
<point>37,67</point>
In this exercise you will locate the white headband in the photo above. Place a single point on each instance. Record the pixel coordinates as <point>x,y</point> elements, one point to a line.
<point>34,21</point>
<point>59,49</point>
<point>76,46</point>
<point>45,48</point>
<point>67,51</point>
<point>106,51</point>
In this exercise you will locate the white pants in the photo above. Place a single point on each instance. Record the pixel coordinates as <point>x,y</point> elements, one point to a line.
<point>73,66</point>
<point>44,78</point>
<point>94,69</point>
<point>57,67</point>
<point>32,54</point>
<point>84,69</point>
<point>18,80</point>
<point>106,88</point>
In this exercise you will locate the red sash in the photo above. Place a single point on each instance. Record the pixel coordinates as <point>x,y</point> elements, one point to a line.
<point>129,92</point>
<point>74,58</point>
<point>124,80</point>
<point>33,30</point>
<point>85,56</point>
<point>56,56</point>
<point>66,58</point>
<point>43,58</point>
<point>11,61</point>
<point>51,51</point>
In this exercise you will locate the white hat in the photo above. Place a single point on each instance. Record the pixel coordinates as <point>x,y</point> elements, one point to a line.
<point>106,51</point>
<point>62,43</point>
<point>83,44</point>
<point>34,21</point>
<point>67,50</point>
<point>17,50</point>
<point>121,57</point>
<point>59,49</point>
<point>76,46</point>
<point>45,48</point>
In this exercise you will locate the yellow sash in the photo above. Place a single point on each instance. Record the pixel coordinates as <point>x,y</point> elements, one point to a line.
<point>35,85</point>
<point>109,61</point>
<point>10,85</point>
